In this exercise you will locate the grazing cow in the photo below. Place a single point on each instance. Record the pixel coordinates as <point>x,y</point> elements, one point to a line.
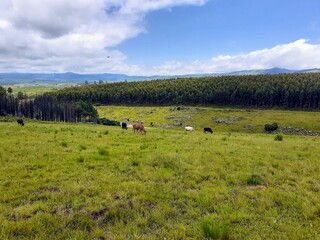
<point>124,126</point>
<point>206,129</point>
<point>20,121</point>
<point>138,127</point>
<point>189,129</point>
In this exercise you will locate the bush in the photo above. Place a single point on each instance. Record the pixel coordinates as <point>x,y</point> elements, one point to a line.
<point>271,127</point>
<point>108,122</point>
<point>278,137</point>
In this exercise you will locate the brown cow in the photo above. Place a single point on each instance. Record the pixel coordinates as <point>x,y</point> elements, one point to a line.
<point>20,121</point>
<point>138,127</point>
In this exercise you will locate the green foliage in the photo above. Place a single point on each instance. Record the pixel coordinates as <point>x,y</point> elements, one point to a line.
<point>2,91</point>
<point>86,109</point>
<point>267,91</point>
<point>46,107</point>
<point>9,89</point>
<point>64,144</point>
<point>271,127</point>
<point>108,122</point>
<point>278,137</point>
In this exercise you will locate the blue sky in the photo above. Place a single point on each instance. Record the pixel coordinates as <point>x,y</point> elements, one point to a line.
<point>155,37</point>
<point>222,27</point>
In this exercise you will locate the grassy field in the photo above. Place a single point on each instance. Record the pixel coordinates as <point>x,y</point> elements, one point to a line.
<point>219,119</point>
<point>32,90</point>
<point>83,181</point>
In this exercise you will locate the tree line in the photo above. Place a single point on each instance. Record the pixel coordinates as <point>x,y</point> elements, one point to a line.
<point>300,90</point>
<point>46,107</point>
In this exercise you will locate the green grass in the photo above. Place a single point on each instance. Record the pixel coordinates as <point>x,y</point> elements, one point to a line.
<point>84,181</point>
<point>219,119</point>
<point>32,90</point>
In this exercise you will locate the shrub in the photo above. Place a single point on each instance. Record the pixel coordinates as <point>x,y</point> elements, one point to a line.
<point>271,127</point>
<point>278,137</point>
<point>108,122</point>
<point>64,144</point>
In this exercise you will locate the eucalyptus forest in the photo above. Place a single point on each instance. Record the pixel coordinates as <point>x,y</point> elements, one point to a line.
<point>264,91</point>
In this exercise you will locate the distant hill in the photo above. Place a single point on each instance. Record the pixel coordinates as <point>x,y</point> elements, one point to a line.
<point>76,78</point>
<point>61,78</point>
<point>270,71</point>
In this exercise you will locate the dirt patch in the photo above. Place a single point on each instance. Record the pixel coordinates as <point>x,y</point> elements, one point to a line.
<point>98,214</point>
<point>256,187</point>
<point>227,120</point>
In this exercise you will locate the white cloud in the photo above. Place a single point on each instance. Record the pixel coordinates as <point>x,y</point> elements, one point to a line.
<point>296,55</point>
<point>58,35</point>
<point>79,35</point>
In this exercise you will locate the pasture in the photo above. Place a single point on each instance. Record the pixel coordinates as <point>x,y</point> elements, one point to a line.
<point>86,181</point>
<point>219,119</point>
<point>32,90</point>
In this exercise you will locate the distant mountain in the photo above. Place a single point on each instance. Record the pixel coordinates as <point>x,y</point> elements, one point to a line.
<point>61,78</point>
<point>76,78</point>
<point>271,71</point>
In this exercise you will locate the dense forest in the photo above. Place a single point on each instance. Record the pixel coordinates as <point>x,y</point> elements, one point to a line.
<point>45,107</point>
<point>282,90</point>
<point>75,104</point>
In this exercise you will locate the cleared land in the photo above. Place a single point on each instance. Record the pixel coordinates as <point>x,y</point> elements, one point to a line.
<point>32,90</point>
<point>83,181</point>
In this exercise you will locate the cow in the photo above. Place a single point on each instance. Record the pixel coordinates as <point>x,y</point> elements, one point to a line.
<point>189,129</point>
<point>207,129</point>
<point>139,128</point>
<point>124,126</point>
<point>20,121</point>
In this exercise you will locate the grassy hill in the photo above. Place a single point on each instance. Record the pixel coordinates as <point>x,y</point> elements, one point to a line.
<point>83,181</point>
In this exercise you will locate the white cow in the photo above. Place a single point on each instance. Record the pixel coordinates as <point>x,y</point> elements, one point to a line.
<point>189,129</point>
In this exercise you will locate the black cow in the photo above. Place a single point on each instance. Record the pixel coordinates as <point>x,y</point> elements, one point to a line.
<point>124,126</point>
<point>20,121</point>
<point>207,130</point>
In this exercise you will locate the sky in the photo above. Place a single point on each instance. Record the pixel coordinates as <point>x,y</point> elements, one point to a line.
<point>158,37</point>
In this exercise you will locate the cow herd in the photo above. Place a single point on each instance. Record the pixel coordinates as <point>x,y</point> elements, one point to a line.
<point>137,127</point>
<point>205,130</point>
